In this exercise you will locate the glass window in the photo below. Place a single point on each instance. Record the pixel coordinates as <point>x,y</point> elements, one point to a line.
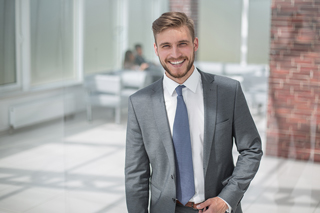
<point>99,33</point>
<point>219,31</point>
<point>259,31</point>
<point>7,43</point>
<point>139,28</point>
<point>52,57</point>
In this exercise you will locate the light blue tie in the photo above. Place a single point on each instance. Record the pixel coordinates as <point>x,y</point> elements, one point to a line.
<point>182,146</point>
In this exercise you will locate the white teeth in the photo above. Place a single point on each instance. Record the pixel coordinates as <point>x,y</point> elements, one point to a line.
<point>176,62</point>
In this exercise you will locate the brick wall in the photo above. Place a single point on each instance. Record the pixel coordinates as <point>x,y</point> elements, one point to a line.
<point>293,128</point>
<point>189,7</point>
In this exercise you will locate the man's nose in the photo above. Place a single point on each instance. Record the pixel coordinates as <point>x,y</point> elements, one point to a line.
<point>175,52</point>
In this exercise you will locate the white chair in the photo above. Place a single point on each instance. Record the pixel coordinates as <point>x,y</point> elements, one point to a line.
<point>132,81</point>
<point>210,67</point>
<point>104,90</point>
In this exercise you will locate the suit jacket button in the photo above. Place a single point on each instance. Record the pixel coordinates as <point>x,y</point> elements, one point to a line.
<point>174,200</point>
<point>171,176</point>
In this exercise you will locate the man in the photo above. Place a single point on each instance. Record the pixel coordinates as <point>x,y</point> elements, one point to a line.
<point>180,133</point>
<point>139,59</point>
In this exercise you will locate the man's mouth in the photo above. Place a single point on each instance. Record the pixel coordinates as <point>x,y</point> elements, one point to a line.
<point>177,62</point>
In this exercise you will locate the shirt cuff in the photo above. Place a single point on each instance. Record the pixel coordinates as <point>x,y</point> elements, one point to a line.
<point>229,207</point>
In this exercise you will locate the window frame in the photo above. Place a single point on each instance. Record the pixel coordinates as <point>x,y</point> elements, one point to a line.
<point>23,51</point>
<point>17,84</point>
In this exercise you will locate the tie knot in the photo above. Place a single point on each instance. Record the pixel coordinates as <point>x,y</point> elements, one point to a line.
<point>179,89</point>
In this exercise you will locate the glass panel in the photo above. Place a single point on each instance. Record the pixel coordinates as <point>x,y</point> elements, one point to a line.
<point>99,48</point>
<point>259,32</point>
<point>51,41</point>
<point>140,31</point>
<point>7,42</point>
<point>219,31</point>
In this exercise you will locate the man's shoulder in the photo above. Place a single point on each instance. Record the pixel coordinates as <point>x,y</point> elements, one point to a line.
<point>218,79</point>
<point>223,80</point>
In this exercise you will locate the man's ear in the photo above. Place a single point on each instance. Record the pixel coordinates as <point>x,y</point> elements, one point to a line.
<point>196,44</point>
<point>155,48</point>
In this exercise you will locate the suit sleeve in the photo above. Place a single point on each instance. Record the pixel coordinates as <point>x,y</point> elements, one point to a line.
<point>137,169</point>
<point>248,144</point>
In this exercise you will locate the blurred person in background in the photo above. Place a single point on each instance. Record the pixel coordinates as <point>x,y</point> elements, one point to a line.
<point>180,133</point>
<point>129,62</point>
<point>139,59</point>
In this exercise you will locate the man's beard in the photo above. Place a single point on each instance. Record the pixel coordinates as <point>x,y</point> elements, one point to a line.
<point>179,75</point>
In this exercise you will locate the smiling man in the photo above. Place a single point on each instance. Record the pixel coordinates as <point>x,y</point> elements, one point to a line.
<point>181,130</point>
<point>176,48</point>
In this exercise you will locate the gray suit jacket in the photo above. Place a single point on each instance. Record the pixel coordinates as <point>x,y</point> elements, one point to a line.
<point>150,164</point>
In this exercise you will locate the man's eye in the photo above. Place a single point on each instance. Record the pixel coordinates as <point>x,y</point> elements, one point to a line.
<point>183,44</point>
<point>165,46</point>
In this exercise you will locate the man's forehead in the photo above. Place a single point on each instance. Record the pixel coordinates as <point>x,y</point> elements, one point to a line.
<point>174,34</point>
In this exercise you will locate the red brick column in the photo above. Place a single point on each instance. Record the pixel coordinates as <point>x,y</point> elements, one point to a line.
<point>293,128</point>
<point>189,7</point>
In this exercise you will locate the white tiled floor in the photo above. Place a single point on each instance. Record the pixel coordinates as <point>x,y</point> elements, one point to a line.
<point>74,166</point>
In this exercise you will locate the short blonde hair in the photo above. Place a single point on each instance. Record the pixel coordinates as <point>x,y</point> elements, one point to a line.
<point>172,20</point>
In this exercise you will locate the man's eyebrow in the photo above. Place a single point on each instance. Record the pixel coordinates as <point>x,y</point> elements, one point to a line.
<point>164,43</point>
<point>184,41</point>
<point>181,41</point>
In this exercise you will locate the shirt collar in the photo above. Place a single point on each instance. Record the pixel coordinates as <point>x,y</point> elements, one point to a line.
<point>191,83</point>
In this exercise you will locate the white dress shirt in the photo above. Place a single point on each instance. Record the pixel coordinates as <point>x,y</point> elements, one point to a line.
<point>193,97</point>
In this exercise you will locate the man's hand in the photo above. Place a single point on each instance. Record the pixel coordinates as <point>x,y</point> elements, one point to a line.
<point>213,205</point>
<point>144,66</point>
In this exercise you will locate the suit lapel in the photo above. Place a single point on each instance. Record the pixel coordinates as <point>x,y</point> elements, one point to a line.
<point>210,96</point>
<point>160,115</point>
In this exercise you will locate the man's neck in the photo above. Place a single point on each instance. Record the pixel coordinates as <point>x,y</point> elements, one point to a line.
<point>182,79</point>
